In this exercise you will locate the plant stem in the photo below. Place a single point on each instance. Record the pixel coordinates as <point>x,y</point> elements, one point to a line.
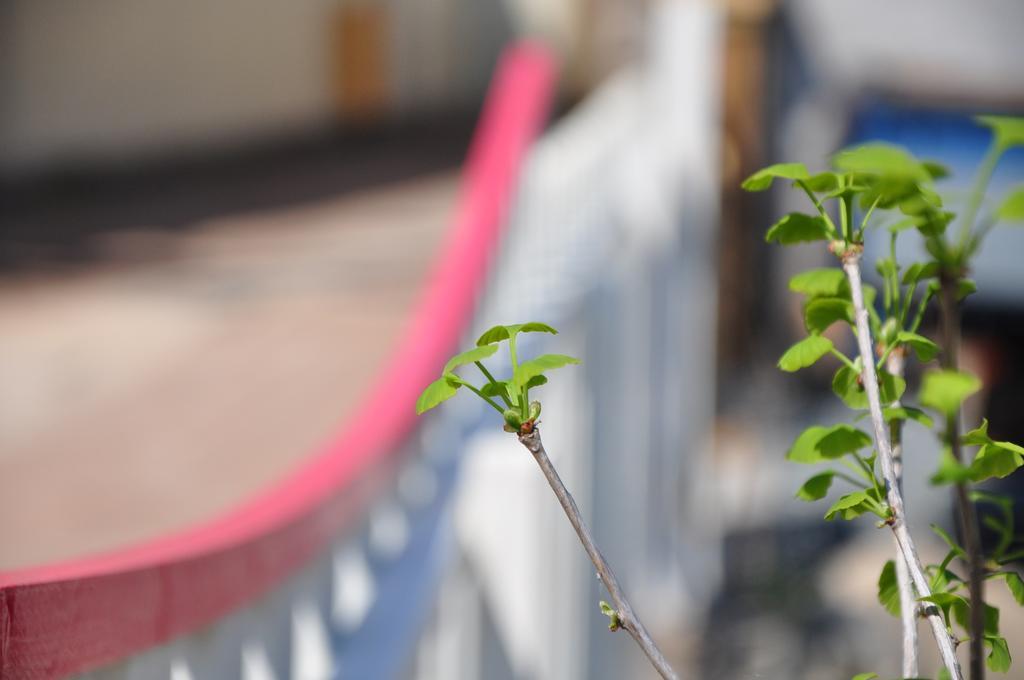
<point>908,603</point>
<point>484,397</point>
<point>493,381</point>
<point>988,166</point>
<point>821,209</point>
<point>851,265</point>
<point>628,619</point>
<point>968,517</point>
<point>842,357</point>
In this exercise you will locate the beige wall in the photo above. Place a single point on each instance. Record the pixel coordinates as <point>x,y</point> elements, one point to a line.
<point>87,80</point>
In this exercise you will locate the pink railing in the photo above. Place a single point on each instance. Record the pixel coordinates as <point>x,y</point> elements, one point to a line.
<point>69,617</point>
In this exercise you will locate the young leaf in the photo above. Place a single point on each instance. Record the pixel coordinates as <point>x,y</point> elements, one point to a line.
<point>1012,208</point>
<point>849,506</point>
<point>978,436</point>
<point>907,413</point>
<point>950,471</point>
<point>499,333</point>
<point>820,313</point>
<point>498,389</point>
<point>996,460</point>
<point>840,440</point>
<point>824,282</point>
<point>998,659</point>
<point>924,348</point>
<point>436,392</point>
<point>805,448</point>
<point>797,228</point>
<point>537,381</point>
<point>469,356</point>
<point>885,160</point>
<point>945,390</point>
<point>935,169</point>
<point>888,589</point>
<point>965,287</point>
<point>920,270</point>
<point>762,179</point>
<point>1014,582</point>
<point>819,444</point>
<point>1008,130</point>
<point>847,387</point>
<point>824,181</point>
<point>528,370</point>
<point>864,676</point>
<point>946,602</point>
<point>816,487</point>
<point>805,353</point>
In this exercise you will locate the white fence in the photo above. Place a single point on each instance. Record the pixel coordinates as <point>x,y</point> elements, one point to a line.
<point>613,242</point>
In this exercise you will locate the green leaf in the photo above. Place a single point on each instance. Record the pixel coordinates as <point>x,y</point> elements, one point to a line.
<point>762,179</point>
<point>528,370</point>
<point>805,353</point>
<point>978,436</point>
<point>805,448</point>
<point>840,440</point>
<point>505,387</point>
<point>995,460</point>
<point>537,381</point>
<point>797,228</point>
<point>907,413</point>
<point>824,181</point>
<point>1012,207</point>
<point>965,287</point>
<point>820,313</point>
<point>606,608</point>
<point>499,333</point>
<point>924,348</point>
<point>864,676</point>
<point>998,659</point>
<point>824,282</point>
<point>847,387</point>
<point>950,471</point>
<point>889,589</point>
<point>1007,130</point>
<point>498,389</point>
<point>818,444</point>
<point>920,270</point>
<point>944,390</point>
<point>436,392</point>
<point>849,506</point>
<point>469,356</point>
<point>1014,582</point>
<point>935,169</point>
<point>947,602</point>
<point>816,487</point>
<point>881,159</point>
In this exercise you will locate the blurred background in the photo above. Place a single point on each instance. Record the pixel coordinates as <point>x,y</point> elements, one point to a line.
<point>215,220</point>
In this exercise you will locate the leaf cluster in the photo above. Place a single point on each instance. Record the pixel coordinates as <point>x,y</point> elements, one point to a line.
<point>513,393</point>
<point>881,187</point>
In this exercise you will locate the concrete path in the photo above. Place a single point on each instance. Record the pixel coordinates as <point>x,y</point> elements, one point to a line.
<point>195,368</point>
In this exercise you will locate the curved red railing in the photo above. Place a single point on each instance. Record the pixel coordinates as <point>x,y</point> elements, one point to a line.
<point>73,616</point>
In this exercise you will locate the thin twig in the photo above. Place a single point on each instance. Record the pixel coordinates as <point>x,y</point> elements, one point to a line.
<point>908,603</point>
<point>851,265</point>
<point>627,618</point>
<point>968,517</point>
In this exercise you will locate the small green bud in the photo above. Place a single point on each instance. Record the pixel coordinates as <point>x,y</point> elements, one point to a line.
<point>889,330</point>
<point>534,410</point>
<point>513,418</point>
